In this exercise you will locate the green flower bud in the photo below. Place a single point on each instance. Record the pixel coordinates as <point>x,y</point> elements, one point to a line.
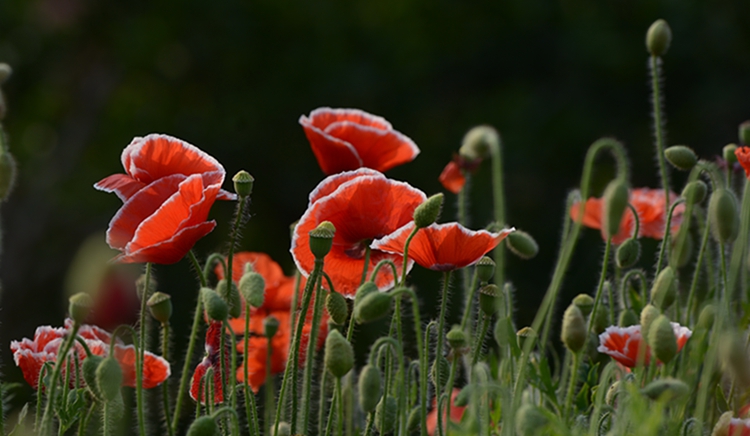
<point>628,318</point>
<point>628,253</point>
<point>284,429</point>
<point>695,192</point>
<point>216,308</point>
<point>681,157</point>
<point>530,420</point>
<point>485,269</point>
<point>522,244</point>
<point>525,334</point>
<point>488,298</point>
<point>364,290</point>
<point>7,168</point>
<point>574,332</point>
<point>658,38</point>
<point>203,426</point>
<point>585,303</point>
<point>662,340</point>
<point>339,354</point>
<point>745,133</point>
<point>370,382</point>
<point>321,239</point>
<point>706,317</point>
<point>666,389</point>
<point>679,254</point>
<point>385,414</point>
<point>464,396</point>
<point>722,212</point>
<point>456,338</point>
<point>648,315</point>
<point>160,306</point>
<point>337,307</point>
<point>140,285</point>
<point>478,143</point>
<point>440,364</point>
<point>373,306</point>
<point>415,418</point>
<point>601,319</point>
<point>733,355</point>
<point>5,72</point>
<point>615,202</point>
<point>270,326</point>
<point>88,369</point>
<point>503,332</point>
<point>231,295</point>
<point>252,287</point>
<point>243,183</point>
<point>612,393</point>
<point>427,213</point>
<point>729,153</point>
<point>80,306</point>
<point>664,290</point>
<point>109,378</point>
<point>722,425</point>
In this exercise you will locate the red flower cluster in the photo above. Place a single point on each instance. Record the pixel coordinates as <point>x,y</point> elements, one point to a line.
<point>739,427</point>
<point>624,343</point>
<point>31,355</point>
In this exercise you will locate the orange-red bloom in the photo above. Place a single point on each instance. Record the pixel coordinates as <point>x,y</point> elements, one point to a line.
<point>363,205</point>
<point>347,139</point>
<point>211,360</point>
<point>31,355</point>
<point>739,427</point>
<point>743,157</point>
<point>652,215</point>
<point>623,343</point>
<point>452,178</point>
<point>457,413</point>
<point>442,247</point>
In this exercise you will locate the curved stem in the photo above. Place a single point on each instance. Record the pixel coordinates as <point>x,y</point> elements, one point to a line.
<point>626,280</point>
<point>406,255</point>
<point>380,264</point>
<point>211,260</point>
<point>667,234</point>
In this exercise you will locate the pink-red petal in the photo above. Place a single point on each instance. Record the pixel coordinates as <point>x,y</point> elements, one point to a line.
<point>452,178</point>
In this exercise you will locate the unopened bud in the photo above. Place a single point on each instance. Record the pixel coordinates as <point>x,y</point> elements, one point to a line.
<point>658,38</point>
<point>80,306</point>
<point>722,425</point>
<point>337,307</point>
<point>585,303</point>
<point>109,378</point>
<point>160,306</point>
<point>7,169</point>
<point>628,253</point>
<point>203,426</point>
<point>728,152</point>
<point>525,335</point>
<point>627,318</point>
<point>574,331</point>
<point>522,244</point>
<point>270,326</point>
<point>485,269</point>
<point>427,213</point>
<point>88,369</point>
<point>464,396</point>
<point>252,287</point>
<point>601,318</point>
<point>734,357</point>
<point>662,339</point>
<point>370,382</point>
<point>615,203</point>
<point>339,354</point>
<point>385,414</point>
<point>364,290</point>
<point>321,239</point>
<point>479,142</point>
<point>530,420</point>
<point>372,306</point>
<point>722,212</point>
<point>706,317</point>
<point>456,338</point>
<point>648,315</point>
<point>503,332</point>
<point>664,290</point>
<point>681,157</point>
<point>680,250</point>
<point>231,295</point>
<point>488,298</point>
<point>243,183</point>
<point>695,192</point>
<point>745,133</point>
<point>415,418</point>
<point>216,308</point>
<point>440,364</point>
<point>612,393</point>
<point>666,389</point>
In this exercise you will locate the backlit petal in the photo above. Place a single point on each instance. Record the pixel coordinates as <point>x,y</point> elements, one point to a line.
<point>452,178</point>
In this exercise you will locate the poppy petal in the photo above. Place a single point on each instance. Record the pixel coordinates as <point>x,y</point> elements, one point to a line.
<point>331,183</point>
<point>378,149</point>
<point>121,184</point>
<point>452,178</point>
<point>155,368</point>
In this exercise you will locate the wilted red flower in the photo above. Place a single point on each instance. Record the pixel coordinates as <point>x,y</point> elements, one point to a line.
<point>168,191</point>
<point>743,157</point>
<point>457,413</point>
<point>347,139</point>
<point>363,205</point>
<point>442,247</point>
<point>211,360</point>
<point>623,343</point>
<point>739,427</point>
<point>452,178</point>
<point>652,216</point>
<point>30,355</point>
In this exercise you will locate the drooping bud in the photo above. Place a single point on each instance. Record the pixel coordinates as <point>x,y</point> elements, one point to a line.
<point>745,133</point>
<point>88,369</point>
<point>364,290</point>
<point>337,307</point>
<point>456,338</point>
<point>7,170</point>
<point>216,307</point>
<point>728,152</point>
<point>321,239</point>
<point>664,290</point>
<point>339,354</point>
<point>385,414</point>
<point>231,295</point>
<point>370,382</point>
<point>478,143</point>
<point>203,426</point>
<point>488,296</point>
<point>627,318</point>
<point>427,213</point>
<point>530,420</point>
<point>574,332</point>
<point>522,244</point>
<point>662,339</point>
<point>372,306</point>
<point>584,303</point>
<point>679,253</point>
<point>109,378</point>
<point>628,253</point>
<point>252,286</point>
<point>80,306</point>
<point>440,364</point>
<point>648,315</point>
<point>722,425</point>
<point>615,202</point>
<point>658,38</point>
<point>666,389</point>
<point>681,157</point>
<point>140,285</point>
<point>706,317</point>
<point>270,326</point>
<point>524,335</point>
<point>485,269</point>
<point>612,393</point>
<point>695,192</point>
<point>243,183</point>
<point>722,212</point>
<point>160,306</point>
<point>733,354</point>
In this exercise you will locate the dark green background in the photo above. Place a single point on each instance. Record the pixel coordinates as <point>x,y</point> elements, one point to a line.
<point>234,77</point>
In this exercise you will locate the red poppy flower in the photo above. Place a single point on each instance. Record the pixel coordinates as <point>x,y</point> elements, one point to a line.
<point>274,298</point>
<point>652,215</point>
<point>457,413</point>
<point>623,343</point>
<point>168,192</point>
<point>347,139</point>
<point>738,427</point>
<point>743,157</point>
<point>30,355</point>
<point>363,205</point>
<point>442,247</point>
<point>452,178</point>
<point>211,360</point>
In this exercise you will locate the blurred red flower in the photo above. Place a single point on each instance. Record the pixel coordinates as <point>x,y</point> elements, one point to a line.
<point>168,191</point>
<point>623,343</point>
<point>347,139</point>
<point>457,413</point>
<point>743,157</point>
<point>739,427</point>
<point>452,178</point>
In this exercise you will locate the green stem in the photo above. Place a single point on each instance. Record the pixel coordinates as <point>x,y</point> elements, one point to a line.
<point>165,385</point>
<point>83,424</point>
<point>310,355</point>
<point>572,384</point>
<point>251,411</point>
<point>696,274</point>
<point>340,407</point>
<point>739,249</point>
<point>440,337</point>
<point>406,255</point>
<point>495,145</point>
<point>269,390</point>
<point>657,104</point>
<point>141,353</point>
<point>379,265</point>
<point>480,339</point>
<point>667,234</point>
<point>323,402</point>
<point>470,292</point>
<point>602,278</point>
<point>47,417</point>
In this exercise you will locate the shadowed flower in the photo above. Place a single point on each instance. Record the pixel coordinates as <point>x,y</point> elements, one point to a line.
<point>363,205</point>
<point>211,360</point>
<point>457,413</point>
<point>739,427</point>
<point>347,139</point>
<point>623,343</point>
<point>442,247</point>
<point>652,216</point>
<point>30,355</point>
<point>168,191</point>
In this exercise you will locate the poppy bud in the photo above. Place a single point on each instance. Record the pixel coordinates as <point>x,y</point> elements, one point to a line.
<point>664,290</point>
<point>80,306</point>
<point>627,318</point>
<point>252,287</point>
<point>679,254</point>
<point>370,382</point>
<point>615,202</point>
<point>503,332</point>
<point>658,38</point>
<point>109,378</point>
<point>485,269</point>
<point>160,306</point>
<point>203,426</point>
<point>695,192</point>
<point>7,169</point>
<point>321,239</point>
<point>706,317</point>
<point>530,420</point>
<point>681,157</point>
<point>628,253</point>
<point>477,143</point>
<point>612,393</point>
<point>216,308</point>
<point>666,389</point>
<point>270,326</point>
<point>525,334</point>
<point>734,357</point>
<point>140,285</point>
<point>88,369</point>
<point>648,315</point>
<point>385,414</point>
<point>427,213</point>
<point>722,425</point>
<point>456,338</point>
<point>337,307</point>
<point>722,211</point>
<point>5,72</point>
<point>339,354</point>
<point>601,320</point>
<point>488,298</point>
<point>522,244</point>
<point>364,290</point>
<point>231,295</point>
<point>745,133</point>
<point>662,340</point>
<point>243,183</point>
<point>585,303</point>
<point>440,364</point>
<point>574,332</point>
<point>415,416</point>
<point>372,306</point>
<point>728,152</point>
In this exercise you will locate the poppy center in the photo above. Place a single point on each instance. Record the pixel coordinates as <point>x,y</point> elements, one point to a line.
<point>357,251</point>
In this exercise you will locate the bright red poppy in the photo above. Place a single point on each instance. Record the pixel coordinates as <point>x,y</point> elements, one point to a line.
<point>623,343</point>
<point>168,192</point>
<point>347,139</point>
<point>442,247</point>
<point>457,413</point>
<point>743,157</point>
<point>652,215</point>
<point>30,355</point>
<point>211,360</point>
<point>452,178</point>
<point>363,205</point>
<point>275,298</point>
<point>739,427</point>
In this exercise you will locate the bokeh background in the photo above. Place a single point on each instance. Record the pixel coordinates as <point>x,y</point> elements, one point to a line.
<point>233,77</point>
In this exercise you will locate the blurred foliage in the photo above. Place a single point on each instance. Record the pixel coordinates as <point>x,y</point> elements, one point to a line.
<point>233,77</point>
